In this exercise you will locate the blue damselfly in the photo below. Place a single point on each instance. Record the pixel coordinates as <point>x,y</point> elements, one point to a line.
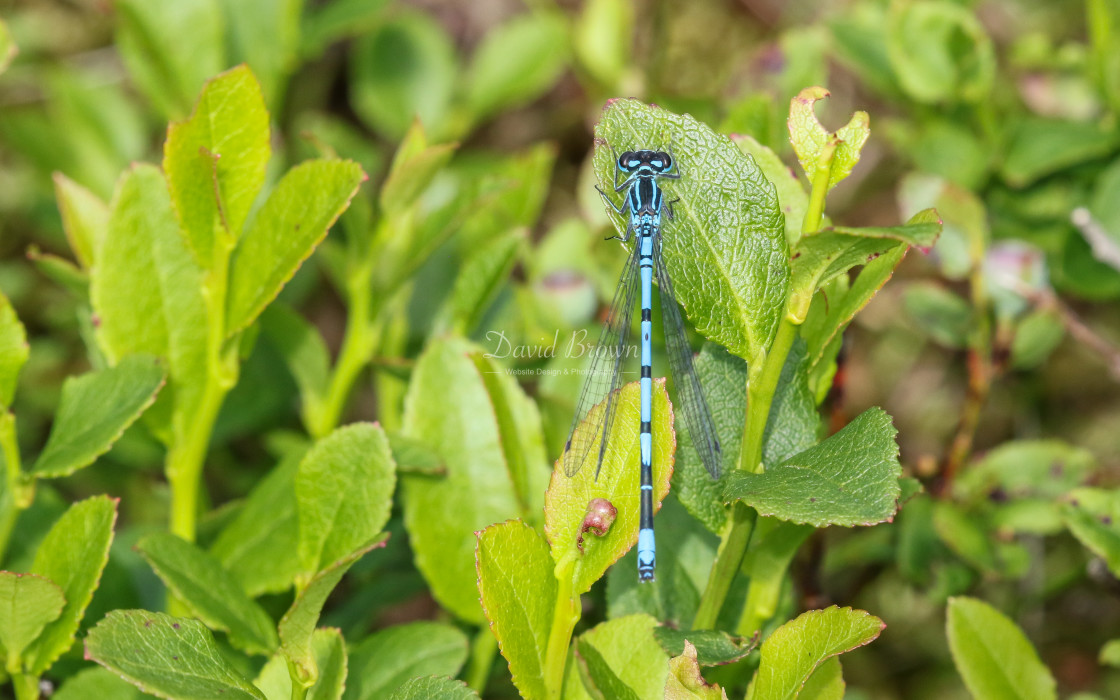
<point>644,203</point>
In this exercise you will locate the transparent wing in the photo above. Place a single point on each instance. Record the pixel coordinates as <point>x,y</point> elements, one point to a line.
<point>692,406</point>
<point>604,374</point>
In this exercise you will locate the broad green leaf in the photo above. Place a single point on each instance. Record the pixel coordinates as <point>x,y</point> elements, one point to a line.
<point>329,650</point>
<point>404,69</point>
<point>567,499</point>
<point>171,48</point>
<point>940,52</point>
<point>538,40</point>
<point>27,604</point>
<point>793,424</point>
<point>383,661</point>
<point>993,656</point>
<point>414,166</point>
<point>796,649</point>
<point>442,514</point>
<point>324,24</point>
<point>415,457</point>
<point>210,592</point>
<point>1039,147</point>
<point>628,650</point>
<point>303,349</point>
<point>826,255</point>
<point>94,411</point>
<point>344,490</point>
<point>261,546</point>
<point>166,656</point>
<point>941,314</point>
<point>597,675</point>
<point>810,139</point>
<point>601,40</point>
<point>792,197</point>
<point>215,161</point>
<point>1022,469</point>
<point>63,273</point>
<point>849,479</point>
<point>1110,653</point>
<point>513,559</point>
<point>1036,337</point>
<point>85,216</point>
<point>146,289</point>
<point>266,35</point>
<point>773,546</point>
<point>292,221</point>
<point>1093,516</point>
<point>433,687</point>
<point>967,535</point>
<point>727,254</point>
<point>826,683</point>
<point>724,378</point>
<point>685,681</point>
<point>97,682</point>
<point>72,555</point>
<point>483,275</point>
<point>14,351</point>
<point>708,647</point>
<point>685,552</point>
<point>297,626</point>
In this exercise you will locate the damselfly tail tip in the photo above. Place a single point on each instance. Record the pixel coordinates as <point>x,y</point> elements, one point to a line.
<point>645,575</point>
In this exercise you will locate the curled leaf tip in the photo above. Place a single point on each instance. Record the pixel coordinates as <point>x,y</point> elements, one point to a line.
<point>600,515</point>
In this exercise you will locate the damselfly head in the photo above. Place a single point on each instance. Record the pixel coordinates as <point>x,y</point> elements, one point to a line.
<point>653,162</point>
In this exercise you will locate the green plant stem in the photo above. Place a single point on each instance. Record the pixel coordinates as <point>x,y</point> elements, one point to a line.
<point>483,650</point>
<point>737,535</point>
<point>299,690</point>
<point>26,686</point>
<point>15,497</point>
<point>357,347</point>
<point>564,618</point>
<point>761,386</point>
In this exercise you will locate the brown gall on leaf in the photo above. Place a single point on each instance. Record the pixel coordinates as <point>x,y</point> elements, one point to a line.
<point>601,514</point>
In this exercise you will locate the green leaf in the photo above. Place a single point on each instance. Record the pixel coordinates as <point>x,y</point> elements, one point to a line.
<point>403,70</point>
<point>383,661</point>
<point>1093,516</point>
<point>967,535</point>
<point>826,683</point>
<point>212,594</point>
<point>266,35</point>
<point>434,688</point>
<point>773,546</point>
<point>598,677</point>
<point>793,424</point>
<point>628,651</point>
<point>826,255</point>
<point>414,166</point>
<point>260,547</point>
<point>1036,337</point>
<point>512,559</point>
<point>1046,469</point>
<point>810,139</point>
<point>167,63</point>
<point>415,457</point>
<point>940,52</point>
<point>567,500</point>
<point>483,275</point>
<point>942,314</point>
<point>849,479</point>
<point>685,682</point>
<point>146,290</point>
<point>292,221</point>
<point>538,40</point>
<point>601,39</point>
<point>324,24</point>
<point>796,649</point>
<point>297,626</point>
<point>215,161</point>
<point>442,515</point>
<point>94,411</point>
<point>97,682</point>
<point>303,349</point>
<point>708,647</point>
<point>14,351</point>
<point>27,604</point>
<point>993,656</point>
<point>1110,653</point>
<point>167,656</point>
<point>727,254</point>
<point>1040,147</point>
<point>72,555</point>
<point>329,650</point>
<point>85,218</point>
<point>792,197</point>
<point>344,490</point>
<point>8,48</point>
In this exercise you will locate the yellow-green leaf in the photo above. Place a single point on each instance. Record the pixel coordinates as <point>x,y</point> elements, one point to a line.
<point>810,139</point>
